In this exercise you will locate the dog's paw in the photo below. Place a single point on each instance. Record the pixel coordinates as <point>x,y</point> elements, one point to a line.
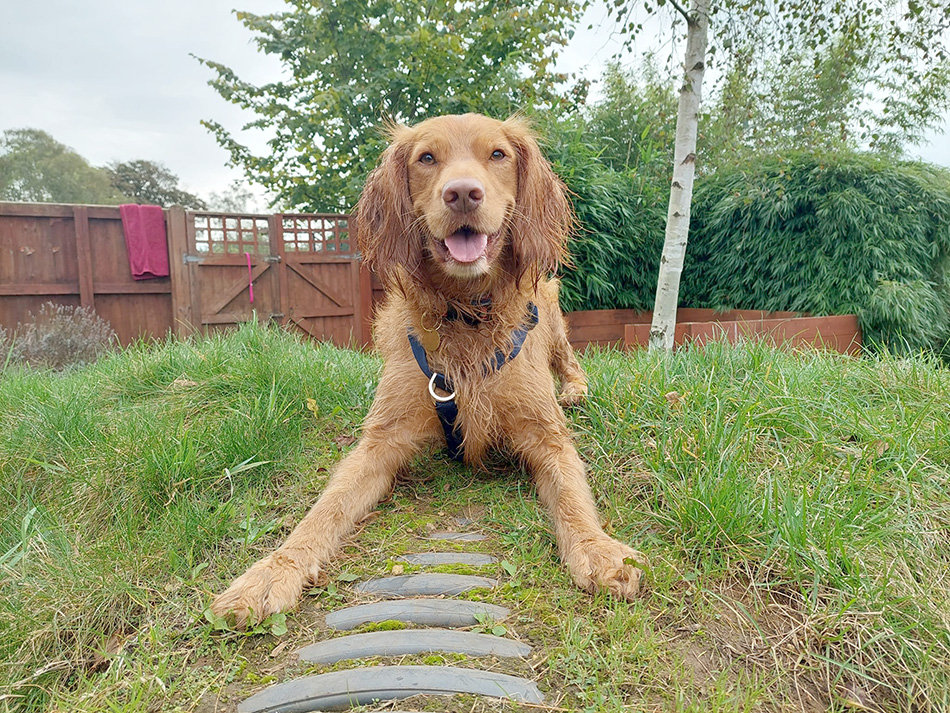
<point>603,563</point>
<point>273,584</point>
<point>573,394</point>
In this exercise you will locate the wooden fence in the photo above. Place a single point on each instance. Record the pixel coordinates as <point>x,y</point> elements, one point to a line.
<point>303,268</point>
<point>304,272</point>
<point>631,329</point>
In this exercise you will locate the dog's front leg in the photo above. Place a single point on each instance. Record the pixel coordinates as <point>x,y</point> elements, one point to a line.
<point>361,480</point>
<point>594,559</point>
<point>564,363</point>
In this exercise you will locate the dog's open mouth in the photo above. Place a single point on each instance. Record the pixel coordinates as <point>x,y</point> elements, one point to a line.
<point>466,245</point>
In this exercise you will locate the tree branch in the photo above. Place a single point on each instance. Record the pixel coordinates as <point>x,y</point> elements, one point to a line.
<point>681,10</point>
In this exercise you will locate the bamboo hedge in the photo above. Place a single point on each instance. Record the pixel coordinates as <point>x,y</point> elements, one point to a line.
<point>840,234</point>
<point>845,234</point>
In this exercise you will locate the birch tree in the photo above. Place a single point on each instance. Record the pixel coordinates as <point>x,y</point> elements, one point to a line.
<point>684,171</point>
<point>902,54</point>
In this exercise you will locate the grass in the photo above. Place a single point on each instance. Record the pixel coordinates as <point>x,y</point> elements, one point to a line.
<point>795,508</point>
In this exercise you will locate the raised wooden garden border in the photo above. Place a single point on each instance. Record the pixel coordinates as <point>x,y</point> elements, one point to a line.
<point>631,329</point>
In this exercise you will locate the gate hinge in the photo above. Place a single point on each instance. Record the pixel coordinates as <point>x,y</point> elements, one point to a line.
<point>186,258</point>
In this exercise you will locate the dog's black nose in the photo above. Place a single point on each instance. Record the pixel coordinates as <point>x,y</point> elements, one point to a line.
<point>463,195</point>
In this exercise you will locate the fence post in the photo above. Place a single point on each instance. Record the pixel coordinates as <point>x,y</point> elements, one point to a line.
<point>275,233</point>
<point>364,315</point>
<point>183,318</point>
<point>87,297</point>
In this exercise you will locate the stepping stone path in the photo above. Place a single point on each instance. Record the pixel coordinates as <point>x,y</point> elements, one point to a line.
<point>432,585</point>
<point>405,602</point>
<point>421,612</point>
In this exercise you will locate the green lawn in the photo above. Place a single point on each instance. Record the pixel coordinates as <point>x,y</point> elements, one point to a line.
<point>795,508</point>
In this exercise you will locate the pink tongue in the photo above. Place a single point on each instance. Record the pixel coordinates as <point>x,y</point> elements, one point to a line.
<point>466,247</point>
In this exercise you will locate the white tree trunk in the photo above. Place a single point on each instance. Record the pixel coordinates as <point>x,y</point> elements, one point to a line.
<point>681,191</point>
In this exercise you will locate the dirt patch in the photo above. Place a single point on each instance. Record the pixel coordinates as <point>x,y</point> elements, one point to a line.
<point>736,632</point>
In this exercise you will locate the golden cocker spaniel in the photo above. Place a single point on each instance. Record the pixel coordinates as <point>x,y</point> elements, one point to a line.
<point>462,221</point>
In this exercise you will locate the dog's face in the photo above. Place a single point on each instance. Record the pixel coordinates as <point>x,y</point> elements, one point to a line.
<point>463,183</point>
<point>464,198</point>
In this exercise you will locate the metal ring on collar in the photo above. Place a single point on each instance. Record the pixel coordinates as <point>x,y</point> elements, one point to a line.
<point>435,395</point>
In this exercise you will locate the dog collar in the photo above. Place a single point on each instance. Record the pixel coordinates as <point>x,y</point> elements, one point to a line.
<point>480,312</point>
<point>445,406</point>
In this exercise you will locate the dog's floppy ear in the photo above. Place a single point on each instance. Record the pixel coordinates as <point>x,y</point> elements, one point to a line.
<point>385,230</point>
<point>543,219</point>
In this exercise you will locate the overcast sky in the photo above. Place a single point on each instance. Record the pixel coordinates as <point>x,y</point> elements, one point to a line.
<point>115,80</point>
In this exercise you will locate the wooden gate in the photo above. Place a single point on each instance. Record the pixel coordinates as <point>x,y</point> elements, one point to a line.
<point>296,270</point>
<point>320,277</point>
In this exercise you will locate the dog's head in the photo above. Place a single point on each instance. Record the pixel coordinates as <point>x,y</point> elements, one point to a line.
<point>467,199</point>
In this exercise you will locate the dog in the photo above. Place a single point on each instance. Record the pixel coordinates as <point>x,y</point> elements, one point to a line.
<point>462,220</point>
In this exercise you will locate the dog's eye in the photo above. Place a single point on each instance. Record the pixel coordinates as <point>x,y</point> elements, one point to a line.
<point>427,159</point>
<point>497,155</point>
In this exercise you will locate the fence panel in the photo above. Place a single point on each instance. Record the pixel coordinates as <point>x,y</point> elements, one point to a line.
<point>75,255</point>
<point>302,267</point>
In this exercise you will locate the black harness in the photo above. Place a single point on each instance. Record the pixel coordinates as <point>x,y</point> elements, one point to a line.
<point>445,406</point>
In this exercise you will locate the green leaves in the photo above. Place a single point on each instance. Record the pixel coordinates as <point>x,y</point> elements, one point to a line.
<point>352,63</point>
<point>828,234</point>
<point>620,213</point>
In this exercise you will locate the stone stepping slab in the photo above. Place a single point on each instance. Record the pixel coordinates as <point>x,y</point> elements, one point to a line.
<point>424,585</point>
<point>457,536</point>
<point>340,690</point>
<point>421,612</point>
<point>475,559</point>
<point>411,641</point>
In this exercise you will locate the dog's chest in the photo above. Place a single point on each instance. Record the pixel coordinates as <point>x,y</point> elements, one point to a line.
<point>473,371</point>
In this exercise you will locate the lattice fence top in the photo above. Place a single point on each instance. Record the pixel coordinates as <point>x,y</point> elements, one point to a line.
<point>231,235</point>
<point>302,233</point>
<point>318,233</point>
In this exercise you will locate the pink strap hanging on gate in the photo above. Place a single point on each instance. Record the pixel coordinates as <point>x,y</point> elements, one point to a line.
<point>250,277</point>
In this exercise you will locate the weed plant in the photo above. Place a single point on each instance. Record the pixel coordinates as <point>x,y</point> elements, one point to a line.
<point>58,336</point>
<point>794,507</point>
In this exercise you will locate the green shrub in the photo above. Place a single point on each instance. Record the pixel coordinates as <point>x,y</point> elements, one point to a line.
<point>615,160</point>
<point>823,233</point>
<point>849,233</point>
<point>620,214</point>
<point>908,316</point>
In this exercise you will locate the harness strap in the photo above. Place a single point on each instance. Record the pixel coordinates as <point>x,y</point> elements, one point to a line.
<point>447,411</point>
<point>446,408</point>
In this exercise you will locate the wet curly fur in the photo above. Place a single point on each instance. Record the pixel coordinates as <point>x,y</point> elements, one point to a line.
<point>462,215</point>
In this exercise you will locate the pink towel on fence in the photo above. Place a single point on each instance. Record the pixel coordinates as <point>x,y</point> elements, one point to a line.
<point>144,228</point>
